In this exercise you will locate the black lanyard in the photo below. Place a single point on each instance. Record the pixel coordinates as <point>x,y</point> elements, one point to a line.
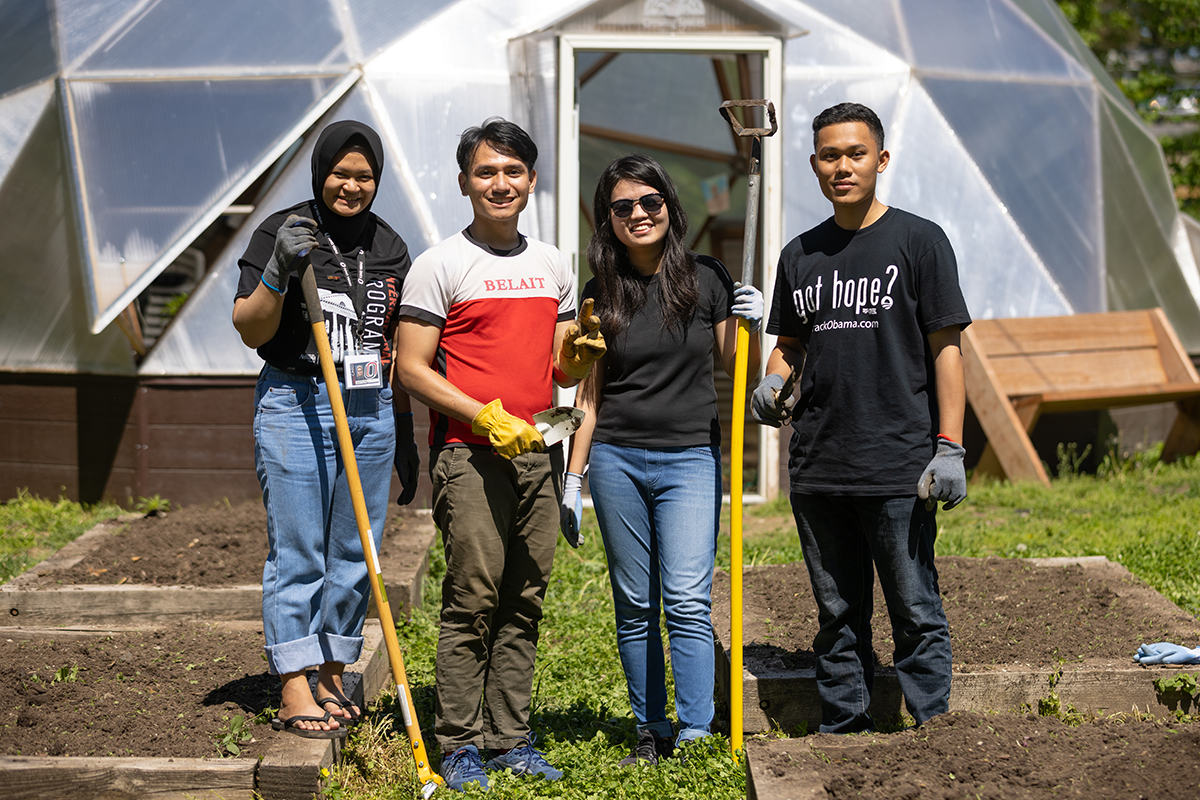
<point>358,291</point>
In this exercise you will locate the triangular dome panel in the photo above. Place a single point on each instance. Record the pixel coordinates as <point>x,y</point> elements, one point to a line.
<point>931,174</point>
<point>155,156</point>
<point>1049,184</point>
<point>171,37</point>
<point>26,45</point>
<point>1142,269</point>
<point>19,112</point>
<point>983,37</point>
<point>874,20</point>
<point>379,23</point>
<point>44,323</point>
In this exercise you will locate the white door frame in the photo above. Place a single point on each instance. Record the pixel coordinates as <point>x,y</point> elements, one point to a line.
<point>771,220</point>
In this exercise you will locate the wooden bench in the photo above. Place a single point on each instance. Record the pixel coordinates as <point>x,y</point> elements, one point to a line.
<point>1018,369</point>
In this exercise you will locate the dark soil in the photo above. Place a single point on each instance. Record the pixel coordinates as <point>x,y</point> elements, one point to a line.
<point>169,692</point>
<point>1003,613</point>
<point>995,757</point>
<point>217,545</point>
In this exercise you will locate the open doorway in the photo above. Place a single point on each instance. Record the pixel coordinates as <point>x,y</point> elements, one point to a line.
<point>660,96</point>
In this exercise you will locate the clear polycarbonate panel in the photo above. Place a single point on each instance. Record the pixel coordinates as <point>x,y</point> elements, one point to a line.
<point>932,175</point>
<point>982,36</point>
<point>202,340</point>
<point>537,112</point>
<point>1142,269</point>
<point>430,100</point>
<point>84,24</point>
<point>1046,15</point>
<point>874,20</point>
<point>170,37</point>
<point>379,23</point>
<point>26,44</point>
<point>677,16</point>
<point>154,156</point>
<point>830,48</point>
<point>677,99</point>
<point>1037,146</point>
<point>806,96</point>
<point>1147,156</point>
<point>44,323</point>
<point>1185,253</point>
<point>19,112</point>
<point>393,202</point>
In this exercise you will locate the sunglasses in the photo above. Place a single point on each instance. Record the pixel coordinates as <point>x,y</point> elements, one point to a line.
<point>650,203</point>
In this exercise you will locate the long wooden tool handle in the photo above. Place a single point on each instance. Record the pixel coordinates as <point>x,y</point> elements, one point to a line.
<point>312,299</point>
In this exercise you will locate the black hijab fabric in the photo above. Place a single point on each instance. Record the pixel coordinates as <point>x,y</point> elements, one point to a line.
<point>346,231</point>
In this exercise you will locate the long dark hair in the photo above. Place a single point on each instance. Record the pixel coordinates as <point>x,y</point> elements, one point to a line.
<point>621,291</point>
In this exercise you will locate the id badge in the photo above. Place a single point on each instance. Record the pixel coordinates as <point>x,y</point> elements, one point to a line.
<point>363,371</point>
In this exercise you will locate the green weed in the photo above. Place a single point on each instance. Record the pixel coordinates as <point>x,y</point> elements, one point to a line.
<point>152,506</point>
<point>230,740</point>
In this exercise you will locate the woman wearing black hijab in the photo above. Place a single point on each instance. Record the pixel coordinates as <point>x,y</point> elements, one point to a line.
<point>315,579</point>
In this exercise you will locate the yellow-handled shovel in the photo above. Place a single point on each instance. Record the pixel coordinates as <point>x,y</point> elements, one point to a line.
<point>749,243</point>
<point>430,780</point>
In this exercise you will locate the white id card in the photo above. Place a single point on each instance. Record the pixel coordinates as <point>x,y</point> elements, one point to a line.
<point>363,371</point>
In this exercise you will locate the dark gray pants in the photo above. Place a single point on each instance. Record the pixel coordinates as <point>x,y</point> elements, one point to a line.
<point>499,521</point>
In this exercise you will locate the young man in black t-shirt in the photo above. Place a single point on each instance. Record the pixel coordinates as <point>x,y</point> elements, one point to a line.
<point>868,311</point>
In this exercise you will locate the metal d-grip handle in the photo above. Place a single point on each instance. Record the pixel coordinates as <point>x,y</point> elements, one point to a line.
<point>737,126</point>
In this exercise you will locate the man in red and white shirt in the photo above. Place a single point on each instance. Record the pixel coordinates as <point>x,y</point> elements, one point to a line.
<point>487,325</point>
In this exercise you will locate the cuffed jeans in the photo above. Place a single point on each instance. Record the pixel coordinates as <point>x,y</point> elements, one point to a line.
<point>499,524</point>
<point>845,541</point>
<point>658,510</point>
<point>315,579</point>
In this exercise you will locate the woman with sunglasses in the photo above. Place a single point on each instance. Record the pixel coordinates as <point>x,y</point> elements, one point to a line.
<point>651,440</point>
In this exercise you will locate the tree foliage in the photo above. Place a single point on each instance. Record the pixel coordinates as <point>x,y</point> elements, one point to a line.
<point>1152,49</point>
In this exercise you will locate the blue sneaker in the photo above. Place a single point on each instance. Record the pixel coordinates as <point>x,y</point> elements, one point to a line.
<point>524,760</point>
<point>463,766</point>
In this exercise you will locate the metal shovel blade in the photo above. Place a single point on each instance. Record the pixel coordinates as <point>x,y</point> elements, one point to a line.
<point>556,424</point>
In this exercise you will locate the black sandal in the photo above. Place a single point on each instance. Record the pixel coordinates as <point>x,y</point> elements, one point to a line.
<point>289,725</point>
<point>346,721</point>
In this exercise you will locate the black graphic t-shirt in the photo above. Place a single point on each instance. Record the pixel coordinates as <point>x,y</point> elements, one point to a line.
<point>861,303</point>
<point>292,347</point>
<point>658,383</point>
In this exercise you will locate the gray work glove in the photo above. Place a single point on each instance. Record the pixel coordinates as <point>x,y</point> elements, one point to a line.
<point>945,478</point>
<point>768,406</point>
<point>296,237</point>
<point>1166,653</point>
<point>748,304</point>
<point>407,460</point>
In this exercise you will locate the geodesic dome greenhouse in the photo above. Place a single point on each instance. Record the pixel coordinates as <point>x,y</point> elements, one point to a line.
<point>129,127</point>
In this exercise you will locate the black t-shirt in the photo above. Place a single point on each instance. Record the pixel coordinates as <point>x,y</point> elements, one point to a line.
<point>861,303</point>
<point>386,262</point>
<point>658,383</point>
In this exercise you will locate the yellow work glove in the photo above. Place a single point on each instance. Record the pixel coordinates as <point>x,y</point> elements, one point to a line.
<point>511,436</point>
<point>583,343</point>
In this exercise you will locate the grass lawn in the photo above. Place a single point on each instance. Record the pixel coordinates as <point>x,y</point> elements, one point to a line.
<point>1141,513</point>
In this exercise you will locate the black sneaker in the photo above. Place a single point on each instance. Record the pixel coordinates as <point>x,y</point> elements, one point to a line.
<point>649,749</point>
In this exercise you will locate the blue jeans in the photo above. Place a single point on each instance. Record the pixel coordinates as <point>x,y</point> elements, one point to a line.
<point>658,511</point>
<point>845,541</point>
<point>315,585</point>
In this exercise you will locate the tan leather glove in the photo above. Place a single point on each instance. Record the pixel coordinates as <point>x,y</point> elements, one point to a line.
<point>582,344</point>
<point>511,436</point>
